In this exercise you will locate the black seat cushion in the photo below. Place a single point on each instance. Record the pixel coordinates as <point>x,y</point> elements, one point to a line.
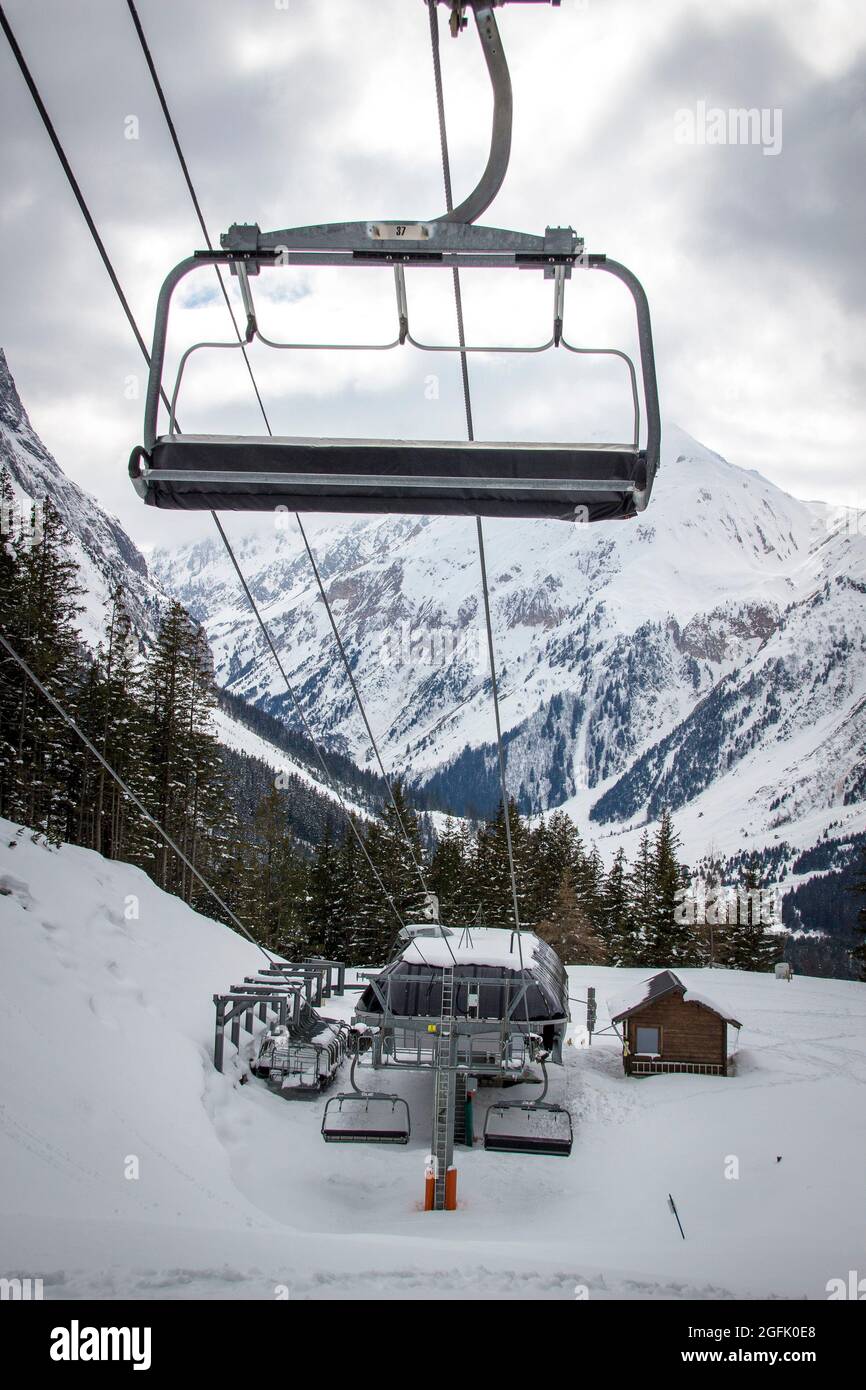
<point>422,478</point>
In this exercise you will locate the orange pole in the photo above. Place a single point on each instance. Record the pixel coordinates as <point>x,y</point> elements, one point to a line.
<point>429,1191</point>
<point>451,1189</point>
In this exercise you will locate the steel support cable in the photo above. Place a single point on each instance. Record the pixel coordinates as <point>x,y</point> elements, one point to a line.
<point>128,792</point>
<point>310,555</point>
<point>148,58</point>
<point>76,189</point>
<point>467,403</point>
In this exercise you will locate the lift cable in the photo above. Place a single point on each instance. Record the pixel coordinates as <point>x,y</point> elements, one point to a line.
<point>74,185</point>
<point>128,792</point>
<point>322,592</point>
<point>145,48</point>
<point>467,402</point>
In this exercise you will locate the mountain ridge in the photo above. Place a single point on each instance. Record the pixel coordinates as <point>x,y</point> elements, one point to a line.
<point>619,647</point>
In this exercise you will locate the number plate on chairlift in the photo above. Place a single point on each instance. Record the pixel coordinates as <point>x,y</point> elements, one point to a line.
<point>398,231</point>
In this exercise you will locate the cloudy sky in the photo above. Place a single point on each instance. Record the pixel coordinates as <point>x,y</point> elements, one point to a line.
<point>300,111</point>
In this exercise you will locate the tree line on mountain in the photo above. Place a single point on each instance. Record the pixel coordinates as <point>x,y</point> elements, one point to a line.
<point>148,715</point>
<point>639,914</point>
<point>149,711</point>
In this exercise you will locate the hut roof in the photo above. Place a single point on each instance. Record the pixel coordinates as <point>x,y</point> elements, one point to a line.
<point>657,987</point>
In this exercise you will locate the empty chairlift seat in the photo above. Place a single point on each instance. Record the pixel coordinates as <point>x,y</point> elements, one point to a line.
<point>366,1118</point>
<point>533,1128</point>
<point>568,481</point>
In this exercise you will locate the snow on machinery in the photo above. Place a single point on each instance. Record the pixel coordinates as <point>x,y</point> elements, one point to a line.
<point>298,1051</point>
<point>301,1063</point>
<point>475,1006</point>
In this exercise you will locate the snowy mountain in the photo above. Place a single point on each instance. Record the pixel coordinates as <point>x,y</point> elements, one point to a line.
<point>233,1194</point>
<point>710,655</point>
<point>104,552</point>
<point>108,559</point>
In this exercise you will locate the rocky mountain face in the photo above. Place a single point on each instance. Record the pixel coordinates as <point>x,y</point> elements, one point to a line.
<point>106,555</point>
<point>108,559</point>
<point>710,655</point>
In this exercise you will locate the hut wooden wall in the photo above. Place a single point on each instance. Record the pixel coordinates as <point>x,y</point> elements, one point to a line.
<point>690,1032</point>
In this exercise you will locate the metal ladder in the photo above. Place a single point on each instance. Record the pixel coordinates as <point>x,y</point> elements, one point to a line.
<point>444,1092</point>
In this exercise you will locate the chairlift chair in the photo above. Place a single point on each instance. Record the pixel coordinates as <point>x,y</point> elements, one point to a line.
<point>365,1117</point>
<point>572,481</point>
<point>529,1127</point>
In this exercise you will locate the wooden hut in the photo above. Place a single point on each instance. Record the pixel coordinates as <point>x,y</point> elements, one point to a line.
<point>667,1027</point>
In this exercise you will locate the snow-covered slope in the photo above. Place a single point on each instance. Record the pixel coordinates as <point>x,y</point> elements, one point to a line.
<point>129,1168</point>
<point>713,647</point>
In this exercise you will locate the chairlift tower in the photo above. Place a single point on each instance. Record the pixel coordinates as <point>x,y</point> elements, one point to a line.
<point>444,1100</point>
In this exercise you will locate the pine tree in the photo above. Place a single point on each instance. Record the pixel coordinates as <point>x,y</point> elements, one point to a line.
<point>11,677</point>
<point>617,927</point>
<point>670,940</point>
<point>553,846</point>
<point>448,875</point>
<point>373,921</point>
<point>641,903</point>
<point>591,889</point>
<point>278,881</point>
<point>40,754</point>
<point>494,874</point>
<point>747,944</point>
<point>110,712</point>
<point>400,854</point>
<point>858,954</point>
<point>325,925</point>
<point>184,772</point>
<point>570,930</point>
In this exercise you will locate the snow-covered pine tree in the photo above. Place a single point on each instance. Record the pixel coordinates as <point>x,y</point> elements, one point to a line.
<point>570,930</point>
<point>670,938</point>
<point>41,754</point>
<point>448,874</point>
<point>494,877</point>
<point>858,954</point>
<point>109,711</point>
<point>641,903</point>
<point>617,927</point>
<point>747,944</point>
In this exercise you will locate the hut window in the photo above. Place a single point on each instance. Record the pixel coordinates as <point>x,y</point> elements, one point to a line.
<point>649,1041</point>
